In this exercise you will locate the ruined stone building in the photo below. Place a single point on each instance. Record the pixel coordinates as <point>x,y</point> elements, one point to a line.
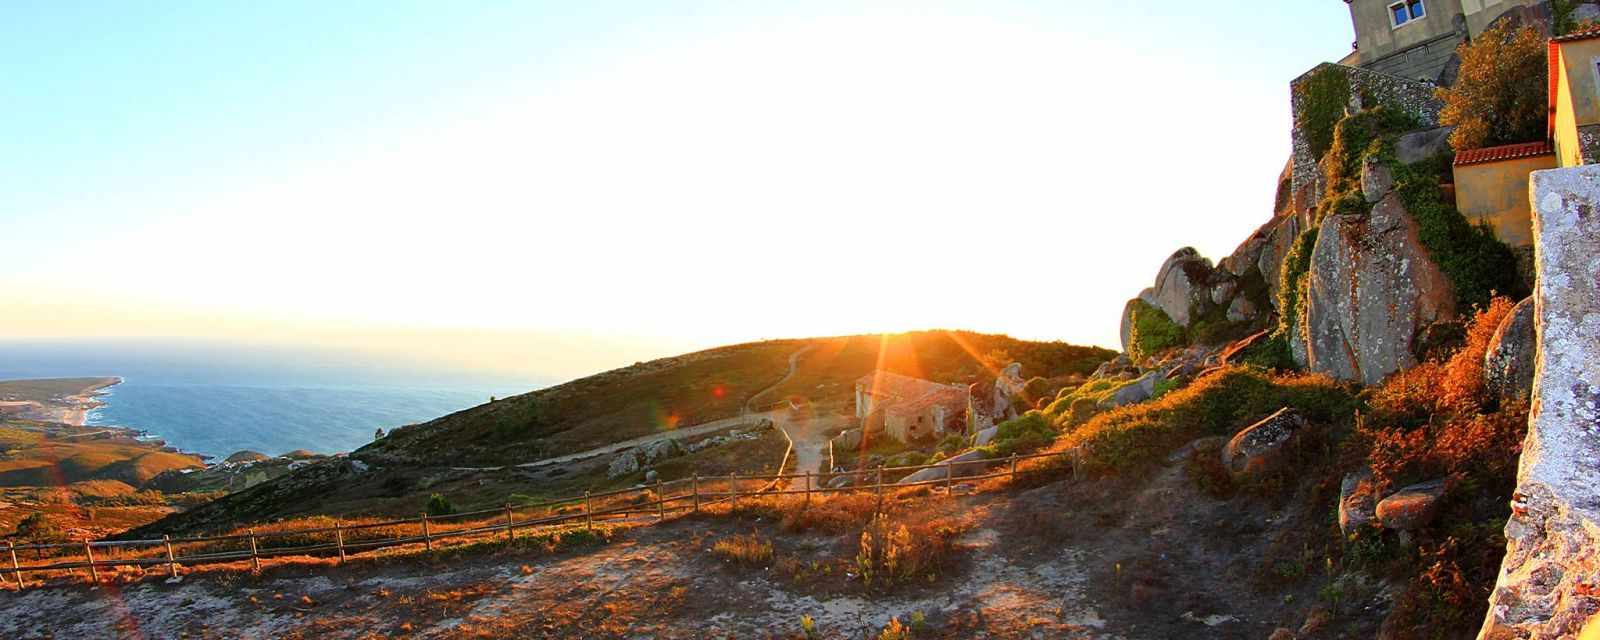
<point>910,409</point>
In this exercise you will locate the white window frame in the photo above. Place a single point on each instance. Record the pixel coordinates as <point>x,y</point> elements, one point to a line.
<point>1405,4</point>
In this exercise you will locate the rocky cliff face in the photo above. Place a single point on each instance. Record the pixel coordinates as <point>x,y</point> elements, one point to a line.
<point>1549,584</point>
<point>1372,289</point>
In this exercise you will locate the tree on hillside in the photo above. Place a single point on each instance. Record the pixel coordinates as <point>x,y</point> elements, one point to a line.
<point>1501,95</point>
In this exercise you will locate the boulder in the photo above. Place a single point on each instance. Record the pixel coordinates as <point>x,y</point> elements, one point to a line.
<point>1242,310</point>
<point>651,476</point>
<point>1547,583</point>
<point>850,440</point>
<point>625,463</point>
<point>1208,445</point>
<point>1358,503</point>
<point>1259,446</point>
<point>970,463</point>
<point>660,450</point>
<point>1372,288</point>
<point>1508,364</point>
<point>1413,507</point>
<point>985,436</point>
<point>1377,180</point>
<point>1223,291</point>
<point>1417,146</point>
<point>1244,258</point>
<point>840,482</point>
<point>1134,392</point>
<point>1183,286</point>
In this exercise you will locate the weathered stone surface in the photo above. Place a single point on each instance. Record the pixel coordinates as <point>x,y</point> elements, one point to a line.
<point>1257,446</point>
<point>1417,146</point>
<point>1183,286</point>
<point>1224,290</point>
<point>1372,287</point>
<point>849,440</point>
<point>1358,503</point>
<point>1547,581</point>
<point>1508,364</point>
<point>1413,507</point>
<point>1127,324</point>
<point>625,463</point>
<point>985,436</point>
<point>651,476</point>
<point>660,450</point>
<point>970,463</point>
<point>1280,237</point>
<point>1377,180</point>
<point>1211,445</point>
<point>1242,309</point>
<point>1244,258</point>
<point>1134,392</point>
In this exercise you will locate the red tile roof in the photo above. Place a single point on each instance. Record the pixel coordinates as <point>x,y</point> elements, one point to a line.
<point>1500,154</point>
<point>1581,35</point>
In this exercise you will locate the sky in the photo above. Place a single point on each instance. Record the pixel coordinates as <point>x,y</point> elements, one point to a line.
<point>557,188</point>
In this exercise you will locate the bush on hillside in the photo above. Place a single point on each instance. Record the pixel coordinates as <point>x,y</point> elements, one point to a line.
<point>1152,331</point>
<point>1137,437</point>
<point>439,505</point>
<point>1322,100</point>
<point>1501,95</point>
<point>1024,434</point>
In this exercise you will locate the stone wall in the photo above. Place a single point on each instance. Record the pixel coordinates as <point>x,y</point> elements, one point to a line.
<point>1368,89</point>
<point>1549,585</point>
<point>1429,61</point>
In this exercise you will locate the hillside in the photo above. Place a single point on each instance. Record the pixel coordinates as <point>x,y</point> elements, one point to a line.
<point>471,456</point>
<point>662,395</point>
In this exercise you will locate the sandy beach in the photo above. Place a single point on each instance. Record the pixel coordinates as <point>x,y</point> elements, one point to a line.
<point>72,408</point>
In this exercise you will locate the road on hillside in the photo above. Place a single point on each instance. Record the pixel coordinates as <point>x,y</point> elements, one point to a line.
<point>748,415</point>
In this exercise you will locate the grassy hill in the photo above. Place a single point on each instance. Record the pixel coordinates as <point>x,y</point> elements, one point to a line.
<point>47,389</point>
<point>708,385</point>
<point>43,454</point>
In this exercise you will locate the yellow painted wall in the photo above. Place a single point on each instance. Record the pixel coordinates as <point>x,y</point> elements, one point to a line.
<point>1568,151</point>
<point>1578,60</point>
<point>1497,193</point>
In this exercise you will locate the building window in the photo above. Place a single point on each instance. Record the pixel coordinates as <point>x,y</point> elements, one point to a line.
<point>1409,10</point>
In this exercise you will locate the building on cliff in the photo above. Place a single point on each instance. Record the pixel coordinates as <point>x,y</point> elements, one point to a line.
<point>1417,39</point>
<point>1575,98</point>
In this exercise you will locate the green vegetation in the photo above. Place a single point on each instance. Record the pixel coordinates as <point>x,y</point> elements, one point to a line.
<point>1135,438</point>
<point>438,505</point>
<point>46,389</point>
<point>1477,264</point>
<point>1322,98</point>
<point>1024,434</point>
<point>1152,332</point>
<point>1502,93</point>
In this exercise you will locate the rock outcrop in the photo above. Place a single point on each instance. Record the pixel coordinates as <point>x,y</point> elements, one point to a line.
<point>1358,502</point>
<point>970,463</point>
<point>1413,507</point>
<point>1259,446</point>
<point>1508,364</point>
<point>1548,582</point>
<point>1373,287</point>
<point>1183,286</point>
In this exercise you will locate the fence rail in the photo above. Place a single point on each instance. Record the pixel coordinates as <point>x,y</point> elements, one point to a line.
<point>342,539</point>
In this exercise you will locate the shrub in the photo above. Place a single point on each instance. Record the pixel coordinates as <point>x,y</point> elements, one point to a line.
<point>1477,264</point>
<point>1137,437</point>
<point>438,505</point>
<point>748,550</point>
<point>1152,331</point>
<point>1501,94</point>
<point>1322,101</point>
<point>892,554</point>
<point>38,527</point>
<point>1022,434</point>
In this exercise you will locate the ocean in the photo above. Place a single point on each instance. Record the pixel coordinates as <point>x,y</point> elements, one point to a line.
<point>216,399</point>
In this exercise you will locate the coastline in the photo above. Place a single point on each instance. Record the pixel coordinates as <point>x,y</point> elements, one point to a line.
<point>69,409</point>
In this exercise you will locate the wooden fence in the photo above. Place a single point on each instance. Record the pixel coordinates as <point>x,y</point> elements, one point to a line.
<point>574,513</point>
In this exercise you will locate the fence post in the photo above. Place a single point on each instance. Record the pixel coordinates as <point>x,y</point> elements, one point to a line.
<point>588,511</point>
<point>255,560</point>
<point>697,493</point>
<point>1013,468</point>
<point>338,538</point>
<point>661,502</point>
<point>15,568</point>
<point>427,536</point>
<point>511,525</point>
<point>172,563</point>
<point>88,552</point>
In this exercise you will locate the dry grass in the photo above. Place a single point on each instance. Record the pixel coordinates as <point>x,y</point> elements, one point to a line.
<point>744,549</point>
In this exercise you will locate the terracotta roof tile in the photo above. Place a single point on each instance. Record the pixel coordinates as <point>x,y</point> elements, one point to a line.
<point>1581,35</point>
<point>1499,154</point>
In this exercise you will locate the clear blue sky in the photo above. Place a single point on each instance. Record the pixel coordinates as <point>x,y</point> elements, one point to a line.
<point>613,180</point>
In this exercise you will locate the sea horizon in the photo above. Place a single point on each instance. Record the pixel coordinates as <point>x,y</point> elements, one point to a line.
<point>245,399</point>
